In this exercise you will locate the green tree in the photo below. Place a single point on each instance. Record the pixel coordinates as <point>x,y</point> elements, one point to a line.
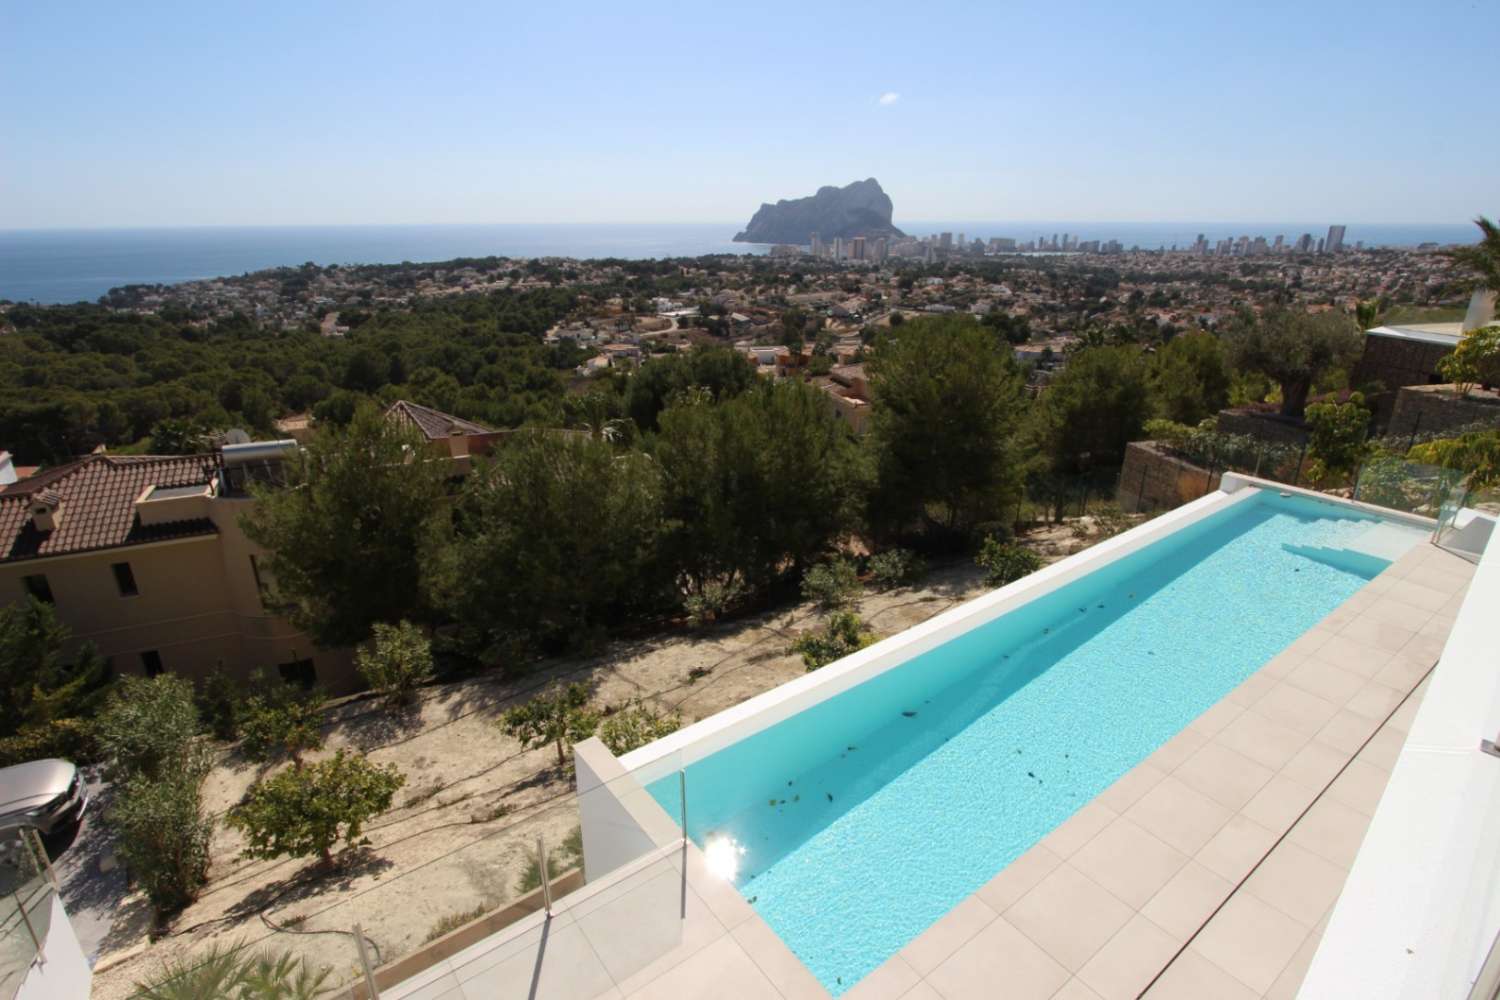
<point>352,534</point>
<point>1004,562</point>
<point>633,726</point>
<point>721,371</point>
<point>281,720</point>
<point>756,487</point>
<point>1482,259</point>
<point>1189,378</point>
<point>179,437</point>
<point>832,585</point>
<point>304,812</point>
<point>559,716</point>
<point>557,539</point>
<point>1294,348</point>
<point>1477,453</point>
<point>843,634</point>
<point>396,661</point>
<point>1337,442</point>
<point>162,833</point>
<point>41,682</point>
<point>946,404</point>
<point>148,727</point>
<point>1092,409</point>
<point>1475,361</point>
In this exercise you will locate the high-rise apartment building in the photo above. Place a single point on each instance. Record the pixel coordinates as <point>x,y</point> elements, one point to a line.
<point>1335,240</point>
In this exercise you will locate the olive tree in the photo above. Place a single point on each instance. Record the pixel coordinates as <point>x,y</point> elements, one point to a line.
<point>559,716</point>
<point>1294,348</point>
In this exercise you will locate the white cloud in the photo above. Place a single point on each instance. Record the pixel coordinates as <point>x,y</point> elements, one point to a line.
<point>888,98</point>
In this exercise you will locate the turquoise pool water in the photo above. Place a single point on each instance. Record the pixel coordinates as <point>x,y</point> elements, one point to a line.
<point>859,822</point>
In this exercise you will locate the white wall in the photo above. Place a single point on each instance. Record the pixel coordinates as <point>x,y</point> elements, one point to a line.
<point>65,973</point>
<point>620,820</point>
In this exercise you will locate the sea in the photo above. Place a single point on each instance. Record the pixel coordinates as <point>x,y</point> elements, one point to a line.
<point>80,265</point>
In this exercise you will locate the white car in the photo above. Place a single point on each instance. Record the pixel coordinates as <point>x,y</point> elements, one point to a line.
<point>45,795</point>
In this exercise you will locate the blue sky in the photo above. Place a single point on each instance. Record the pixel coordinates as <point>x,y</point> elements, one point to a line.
<point>241,113</point>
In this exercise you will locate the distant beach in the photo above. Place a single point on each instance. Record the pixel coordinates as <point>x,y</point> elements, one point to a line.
<point>73,265</point>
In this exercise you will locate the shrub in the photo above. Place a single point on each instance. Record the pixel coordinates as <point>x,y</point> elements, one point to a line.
<point>713,601</point>
<point>568,854</point>
<point>281,720</point>
<point>897,568</point>
<point>148,727</point>
<point>305,811</point>
<point>1476,360</point>
<point>221,704</point>
<point>225,971</point>
<point>559,715</point>
<point>453,921</point>
<point>1337,442</point>
<point>636,725</point>
<point>832,585</point>
<point>71,739</point>
<point>162,832</point>
<point>1004,562</point>
<point>844,634</point>
<point>397,661</point>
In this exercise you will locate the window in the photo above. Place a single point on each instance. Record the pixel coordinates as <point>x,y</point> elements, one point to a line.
<point>151,662</point>
<point>125,579</point>
<point>300,672</point>
<point>37,586</point>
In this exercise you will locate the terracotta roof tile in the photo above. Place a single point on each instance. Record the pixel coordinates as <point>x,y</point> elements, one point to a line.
<point>97,495</point>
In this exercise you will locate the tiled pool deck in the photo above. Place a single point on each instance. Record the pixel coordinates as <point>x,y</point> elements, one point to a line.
<point>1209,870</point>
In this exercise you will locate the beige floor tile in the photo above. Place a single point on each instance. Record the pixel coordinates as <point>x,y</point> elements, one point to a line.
<point>1251,690</point>
<point>1297,882</point>
<point>1426,647</point>
<point>1331,830</point>
<point>771,955</point>
<point>723,969</point>
<point>1384,748</point>
<point>1315,765</point>
<point>1229,778</point>
<point>1290,981</point>
<point>1176,750</point>
<point>1069,916</point>
<point>1356,657</point>
<point>1360,786</point>
<point>1282,664</point>
<point>933,946</point>
<point>1129,960</point>
<point>1404,671</point>
<point>1401,719</point>
<point>894,978</point>
<point>1277,805</point>
<point>1262,740</point>
<point>1183,818</point>
<point>1375,701</point>
<point>1438,578</point>
<point>1347,731</point>
<point>1418,596</point>
<point>1291,706</point>
<point>1398,612</point>
<point>1326,680</point>
<point>1311,641</point>
<point>1193,977</point>
<point>1078,829</point>
<point>1189,899</point>
<point>1129,862</point>
<point>1378,633</point>
<point>922,991</point>
<point>1131,785</point>
<point>1018,878</point>
<point>1074,989</point>
<point>1251,940</point>
<point>999,954</point>
<point>1220,715</point>
<point>1236,848</point>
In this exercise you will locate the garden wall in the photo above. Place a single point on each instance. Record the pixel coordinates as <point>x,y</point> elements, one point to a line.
<point>1432,409</point>
<point>1151,479</point>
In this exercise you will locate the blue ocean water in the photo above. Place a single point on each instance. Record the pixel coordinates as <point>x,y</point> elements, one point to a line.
<point>856,824</point>
<point>73,265</point>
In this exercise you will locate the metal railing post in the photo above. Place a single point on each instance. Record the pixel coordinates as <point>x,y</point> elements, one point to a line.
<point>364,962</point>
<point>541,861</point>
<point>26,919</point>
<point>44,862</point>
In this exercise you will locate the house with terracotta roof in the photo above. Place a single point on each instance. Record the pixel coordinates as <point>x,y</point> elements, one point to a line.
<point>447,434</point>
<point>144,557</point>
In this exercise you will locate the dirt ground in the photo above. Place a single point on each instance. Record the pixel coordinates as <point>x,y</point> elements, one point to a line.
<point>465,825</point>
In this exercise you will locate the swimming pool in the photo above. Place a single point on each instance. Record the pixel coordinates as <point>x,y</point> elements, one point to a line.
<point>856,823</point>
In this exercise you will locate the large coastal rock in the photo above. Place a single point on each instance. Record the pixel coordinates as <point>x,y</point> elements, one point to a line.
<point>861,209</point>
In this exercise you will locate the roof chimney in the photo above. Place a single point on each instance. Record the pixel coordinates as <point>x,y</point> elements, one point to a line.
<point>46,511</point>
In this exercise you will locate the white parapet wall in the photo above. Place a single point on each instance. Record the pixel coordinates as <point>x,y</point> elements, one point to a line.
<point>61,970</point>
<point>619,819</point>
<point>1421,907</point>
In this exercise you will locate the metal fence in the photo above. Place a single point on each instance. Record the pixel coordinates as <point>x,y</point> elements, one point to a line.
<point>27,888</point>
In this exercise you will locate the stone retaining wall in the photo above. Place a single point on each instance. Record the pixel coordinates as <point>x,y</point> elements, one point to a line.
<point>1432,409</point>
<point>1151,479</point>
<point>1271,427</point>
